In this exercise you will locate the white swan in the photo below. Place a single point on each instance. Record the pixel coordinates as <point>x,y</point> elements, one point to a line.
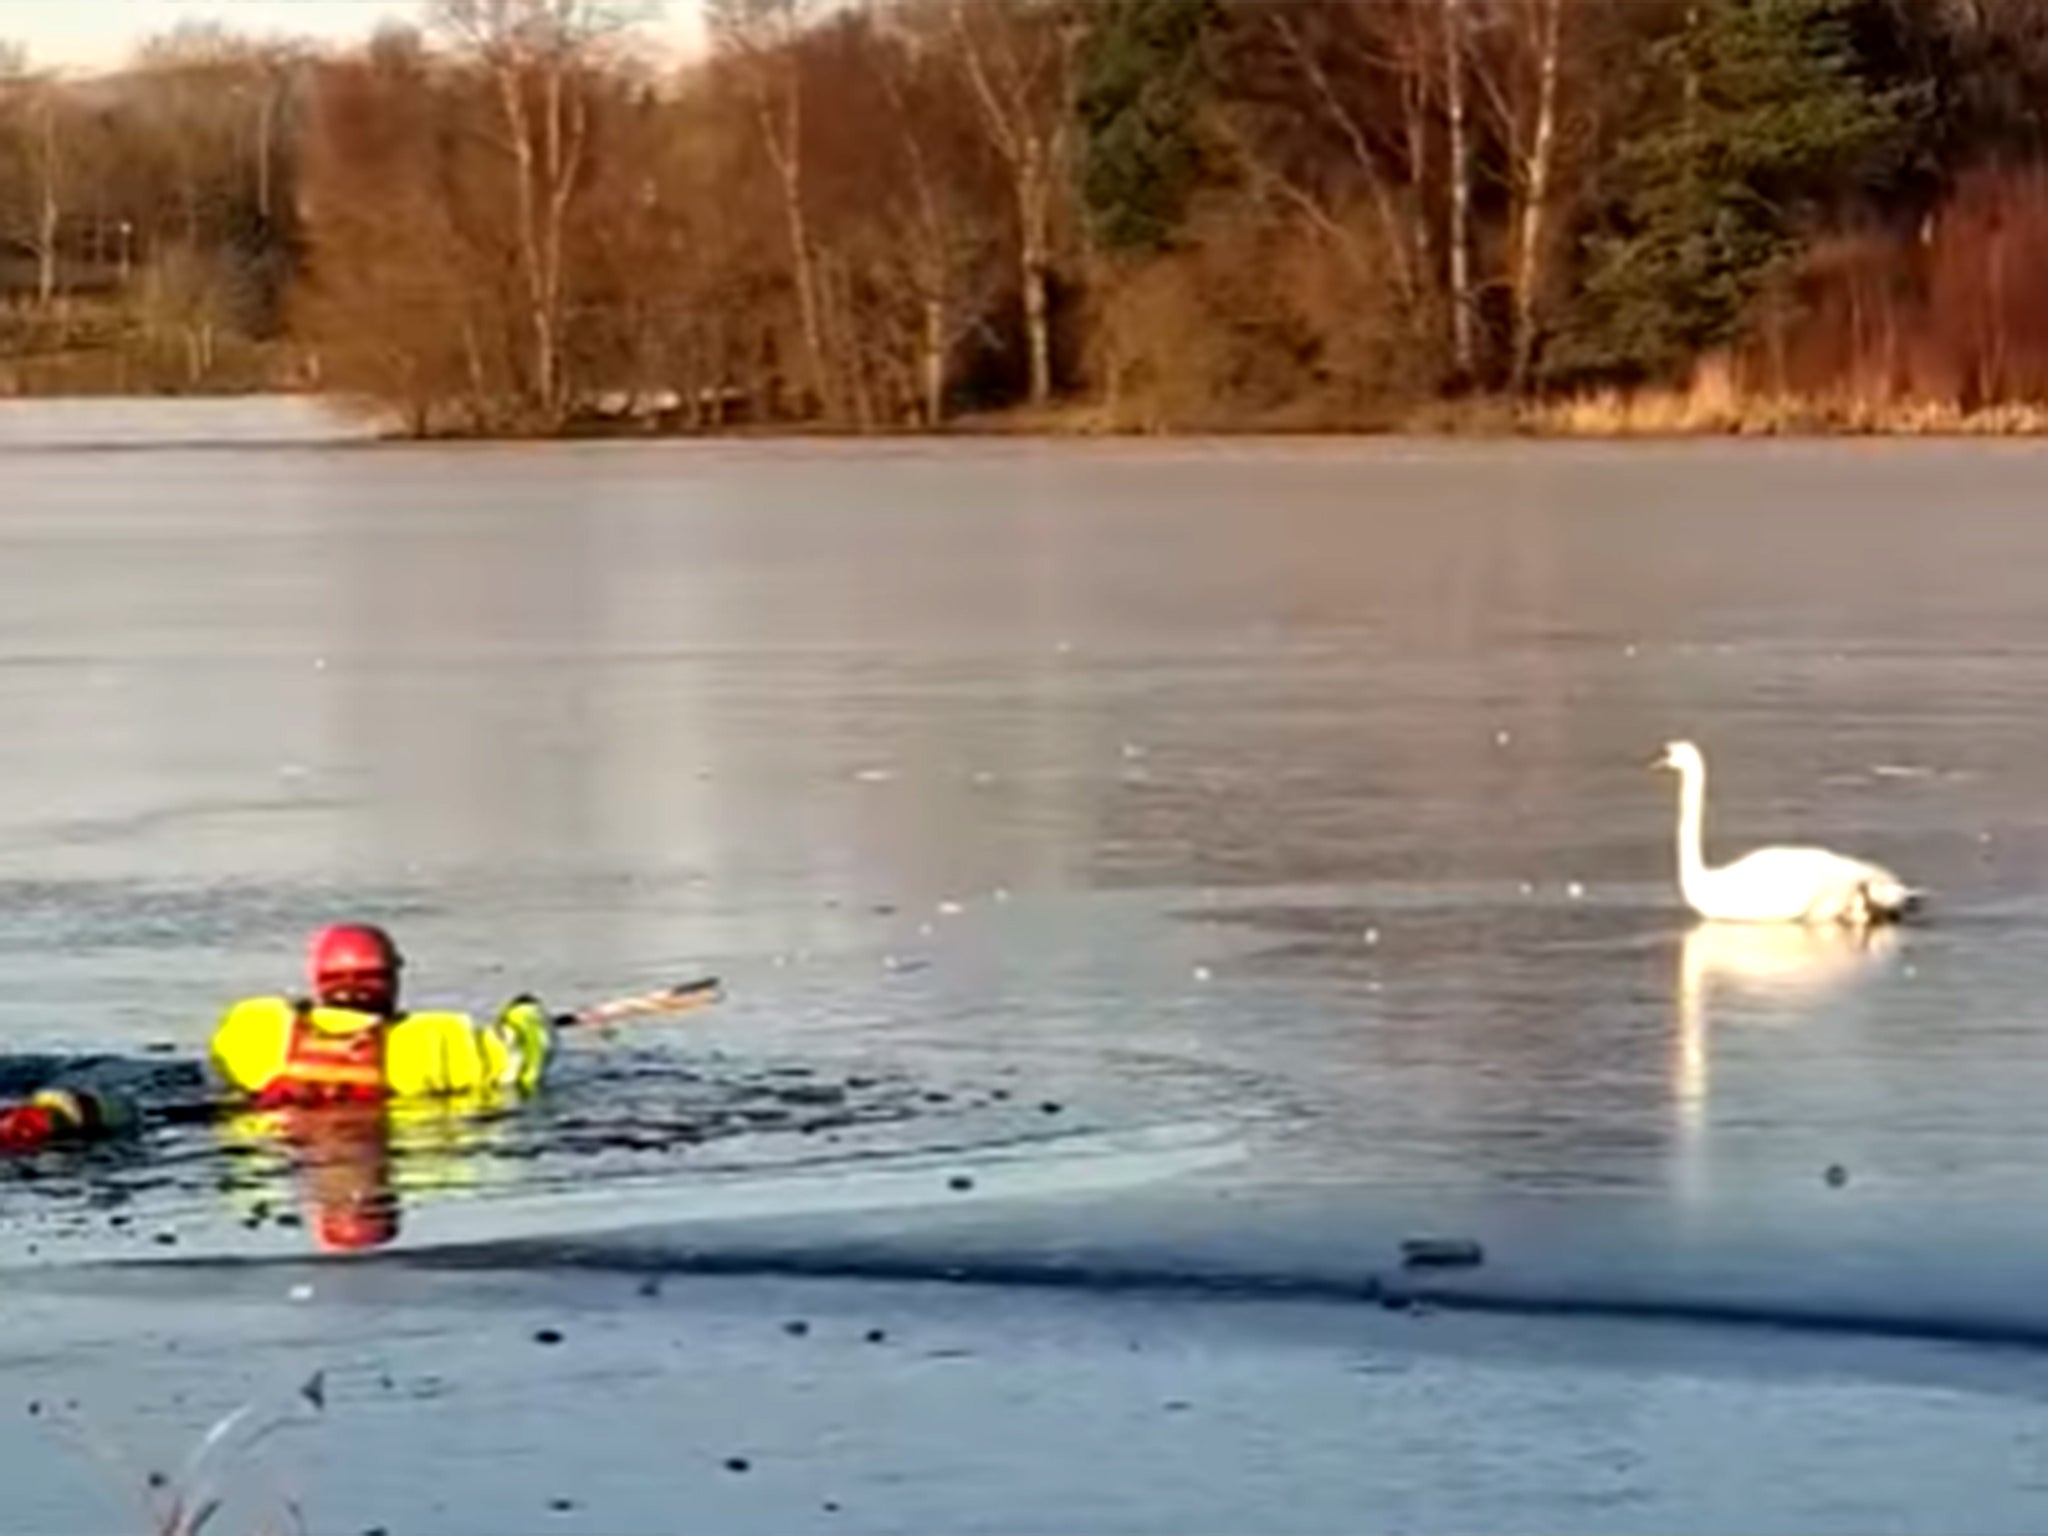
<point>1775,885</point>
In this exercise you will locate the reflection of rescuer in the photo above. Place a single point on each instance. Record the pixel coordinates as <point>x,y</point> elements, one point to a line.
<point>341,1158</point>
<point>352,1167</point>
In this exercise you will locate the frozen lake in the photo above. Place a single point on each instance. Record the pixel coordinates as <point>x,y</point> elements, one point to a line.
<point>1182,868</point>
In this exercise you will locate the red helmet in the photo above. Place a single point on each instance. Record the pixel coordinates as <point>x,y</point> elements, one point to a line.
<point>25,1127</point>
<point>355,965</point>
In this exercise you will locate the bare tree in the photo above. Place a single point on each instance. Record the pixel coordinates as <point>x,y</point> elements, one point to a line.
<point>1464,351</point>
<point>189,299</point>
<point>414,299</point>
<point>537,54</point>
<point>275,71</point>
<point>44,108</point>
<point>1329,102</point>
<point>1536,171</point>
<point>718,236</point>
<point>1520,79</point>
<point>1338,107</point>
<point>1410,49</point>
<point>186,119</point>
<point>934,220</point>
<point>764,40</point>
<point>34,103</point>
<point>1017,56</point>
<point>929,243</point>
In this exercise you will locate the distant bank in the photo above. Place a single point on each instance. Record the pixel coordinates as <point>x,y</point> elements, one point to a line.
<point>278,418</point>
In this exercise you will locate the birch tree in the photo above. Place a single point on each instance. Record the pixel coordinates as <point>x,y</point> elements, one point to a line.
<point>538,55</point>
<point>1521,83</point>
<point>938,207</point>
<point>35,108</point>
<point>763,38</point>
<point>1464,351</point>
<point>1016,54</point>
<point>1536,175</point>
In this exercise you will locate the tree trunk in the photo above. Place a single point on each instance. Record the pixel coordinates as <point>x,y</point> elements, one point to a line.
<point>932,259</point>
<point>1032,151</point>
<point>1463,348</point>
<point>565,128</point>
<point>47,210</point>
<point>1692,65</point>
<point>1415,126</point>
<point>540,320</point>
<point>473,361</point>
<point>1536,192</point>
<point>544,158</point>
<point>850,382</point>
<point>1034,196</point>
<point>933,365</point>
<point>46,249</point>
<point>264,115</point>
<point>189,190</point>
<point>785,152</point>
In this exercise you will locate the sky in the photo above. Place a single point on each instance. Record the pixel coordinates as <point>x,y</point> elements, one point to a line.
<point>97,34</point>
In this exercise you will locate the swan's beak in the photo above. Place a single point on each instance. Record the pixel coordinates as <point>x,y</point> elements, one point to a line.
<point>1661,760</point>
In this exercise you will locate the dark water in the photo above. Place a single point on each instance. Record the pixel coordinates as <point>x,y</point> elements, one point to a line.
<point>1226,860</point>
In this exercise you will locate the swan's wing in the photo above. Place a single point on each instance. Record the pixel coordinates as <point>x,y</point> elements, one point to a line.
<point>1786,884</point>
<point>1769,885</point>
<point>1884,893</point>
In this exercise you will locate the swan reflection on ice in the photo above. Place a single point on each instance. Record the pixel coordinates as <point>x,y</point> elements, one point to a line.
<point>1754,974</point>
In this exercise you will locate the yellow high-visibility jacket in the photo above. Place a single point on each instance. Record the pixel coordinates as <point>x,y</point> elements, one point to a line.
<point>259,1046</point>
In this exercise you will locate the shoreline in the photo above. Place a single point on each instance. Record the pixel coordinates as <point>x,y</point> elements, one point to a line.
<point>1649,417</point>
<point>1650,420</point>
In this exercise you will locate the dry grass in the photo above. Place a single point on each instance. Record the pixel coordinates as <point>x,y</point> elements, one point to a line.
<point>1604,413</point>
<point>1721,410</point>
<point>219,1467</point>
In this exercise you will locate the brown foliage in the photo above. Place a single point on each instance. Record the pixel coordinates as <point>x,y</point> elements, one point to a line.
<point>465,215</point>
<point>1986,305</point>
<point>1956,310</point>
<point>159,191</point>
<point>406,287</point>
<point>1266,322</point>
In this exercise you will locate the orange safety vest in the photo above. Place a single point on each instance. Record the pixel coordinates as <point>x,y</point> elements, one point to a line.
<point>321,1067</point>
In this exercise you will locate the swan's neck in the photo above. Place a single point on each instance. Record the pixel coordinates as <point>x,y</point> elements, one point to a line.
<point>1692,812</point>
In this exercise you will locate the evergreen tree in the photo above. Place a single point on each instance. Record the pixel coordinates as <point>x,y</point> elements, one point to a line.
<point>1765,112</point>
<point>1143,78</point>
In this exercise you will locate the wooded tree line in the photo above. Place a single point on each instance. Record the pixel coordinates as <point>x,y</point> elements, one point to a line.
<point>147,219</point>
<point>870,214</point>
